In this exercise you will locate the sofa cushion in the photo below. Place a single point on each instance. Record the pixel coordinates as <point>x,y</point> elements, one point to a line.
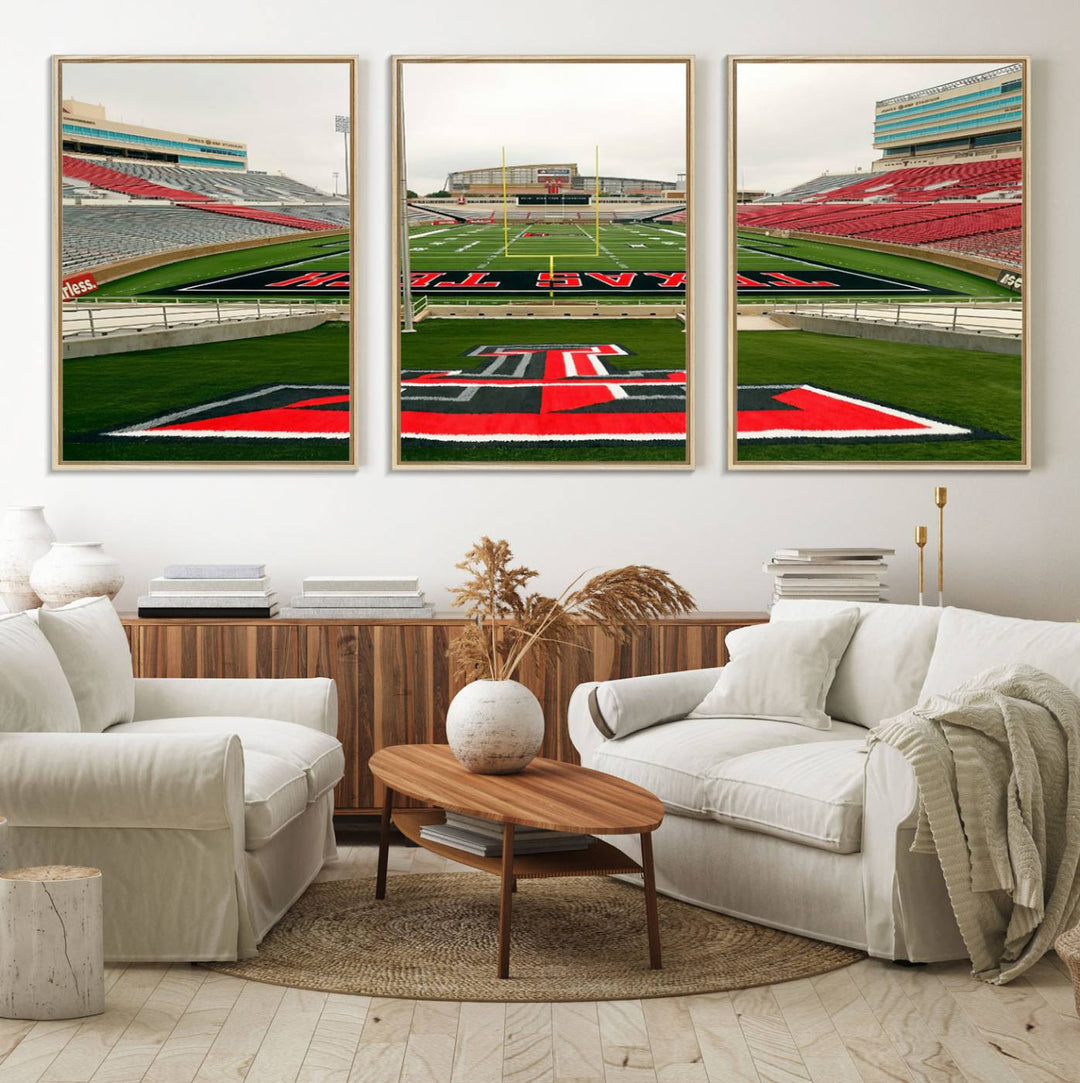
<point>93,650</point>
<point>680,760</point>
<point>886,662</point>
<point>808,793</point>
<point>970,642</point>
<point>34,694</point>
<point>275,793</point>
<point>317,754</point>
<point>624,706</point>
<point>781,671</point>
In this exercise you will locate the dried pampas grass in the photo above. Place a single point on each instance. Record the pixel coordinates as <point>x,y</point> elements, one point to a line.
<point>509,622</point>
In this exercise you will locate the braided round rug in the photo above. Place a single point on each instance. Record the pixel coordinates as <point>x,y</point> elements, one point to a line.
<point>434,938</point>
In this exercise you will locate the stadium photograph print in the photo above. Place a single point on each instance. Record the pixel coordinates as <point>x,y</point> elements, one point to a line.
<point>879,311</point>
<point>204,244</point>
<point>542,229</point>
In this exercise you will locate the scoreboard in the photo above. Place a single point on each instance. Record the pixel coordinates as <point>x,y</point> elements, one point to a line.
<point>574,199</point>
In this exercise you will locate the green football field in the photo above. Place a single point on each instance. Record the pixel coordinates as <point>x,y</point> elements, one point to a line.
<point>483,246</point>
<point>232,276</point>
<point>104,394</point>
<point>863,274</point>
<point>973,389</point>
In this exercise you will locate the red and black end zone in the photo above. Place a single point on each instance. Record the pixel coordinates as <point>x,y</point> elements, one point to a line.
<point>544,394</point>
<point>818,283</point>
<point>798,412</point>
<point>278,412</point>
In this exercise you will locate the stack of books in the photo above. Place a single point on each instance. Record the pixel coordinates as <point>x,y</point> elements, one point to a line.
<point>849,575</point>
<point>484,837</point>
<point>360,597</point>
<point>210,590</point>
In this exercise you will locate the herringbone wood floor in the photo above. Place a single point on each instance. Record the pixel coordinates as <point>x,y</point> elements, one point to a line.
<point>871,1021</point>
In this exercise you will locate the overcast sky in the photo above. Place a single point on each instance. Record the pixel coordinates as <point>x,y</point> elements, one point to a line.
<point>284,112</point>
<point>458,116</point>
<point>797,121</point>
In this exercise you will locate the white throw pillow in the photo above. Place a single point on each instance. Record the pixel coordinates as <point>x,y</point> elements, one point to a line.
<point>970,642</point>
<point>93,650</point>
<point>885,663</point>
<point>781,671</point>
<point>34,694</point>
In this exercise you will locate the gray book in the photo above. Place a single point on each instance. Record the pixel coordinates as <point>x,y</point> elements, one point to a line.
<point>212,597</point>
<point>471,842</point>
<point>404,600</point>
<point>226,586</point>
<point>218,601</point>
<point>310,612</point>
<point>215,571</point>
<point>356,583</point>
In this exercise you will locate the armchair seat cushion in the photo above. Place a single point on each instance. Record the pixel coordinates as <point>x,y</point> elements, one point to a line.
<point>683,762</point>
<point>318,755</point>
<point>275,793</point>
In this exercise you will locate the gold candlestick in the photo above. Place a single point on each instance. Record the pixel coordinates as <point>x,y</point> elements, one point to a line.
<point>941,494</point>
<point>920,541</point>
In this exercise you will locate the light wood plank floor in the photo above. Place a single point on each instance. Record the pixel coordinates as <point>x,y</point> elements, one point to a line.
<point>872,1021</point>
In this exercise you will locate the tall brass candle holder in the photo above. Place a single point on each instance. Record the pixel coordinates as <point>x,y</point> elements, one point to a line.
<point>920,541</point>
<point>941,494</point>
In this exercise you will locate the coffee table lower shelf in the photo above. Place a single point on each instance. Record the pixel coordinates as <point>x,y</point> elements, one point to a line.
<point>600,859</point>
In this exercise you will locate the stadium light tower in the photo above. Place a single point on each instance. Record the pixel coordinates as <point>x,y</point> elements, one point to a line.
<point>342,124</point>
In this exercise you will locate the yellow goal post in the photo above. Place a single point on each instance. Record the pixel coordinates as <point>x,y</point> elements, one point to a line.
<point>552,256</point>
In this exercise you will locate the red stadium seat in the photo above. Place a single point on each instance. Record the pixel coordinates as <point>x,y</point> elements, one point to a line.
<point>113,180</point>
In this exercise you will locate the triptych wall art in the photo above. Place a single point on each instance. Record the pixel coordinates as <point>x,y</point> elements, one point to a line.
<point>542,269</point>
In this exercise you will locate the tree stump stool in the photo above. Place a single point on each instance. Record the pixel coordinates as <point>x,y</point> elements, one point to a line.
<point>52,952</point>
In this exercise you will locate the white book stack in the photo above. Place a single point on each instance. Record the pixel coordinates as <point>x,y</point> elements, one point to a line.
<point>848,575</point>
<point>360,597</point>
<point>484,837</point>
<point>210,590</point>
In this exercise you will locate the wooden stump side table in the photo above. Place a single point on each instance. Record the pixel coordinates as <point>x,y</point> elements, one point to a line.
<point>51,943</point>
<point>548,794</point>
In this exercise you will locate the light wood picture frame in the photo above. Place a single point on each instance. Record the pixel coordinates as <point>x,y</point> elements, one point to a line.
<point>204,243</point>
<point>542,262</point>
<point>879,263</point>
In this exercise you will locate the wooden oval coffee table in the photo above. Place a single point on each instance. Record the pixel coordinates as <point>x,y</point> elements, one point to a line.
<point>547,794</point>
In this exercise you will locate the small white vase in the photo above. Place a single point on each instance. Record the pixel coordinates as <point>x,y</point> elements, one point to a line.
<point>495,727</point>
<point>24,538</point>
<point>74,570</point>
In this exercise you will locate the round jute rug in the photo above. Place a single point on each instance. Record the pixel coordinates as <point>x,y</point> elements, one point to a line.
<point>434,938</point>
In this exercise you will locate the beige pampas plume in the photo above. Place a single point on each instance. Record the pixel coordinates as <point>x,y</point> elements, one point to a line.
<point>509,623</point>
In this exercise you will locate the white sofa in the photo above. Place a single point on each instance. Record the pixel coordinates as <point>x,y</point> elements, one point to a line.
<point>207,804</point>
<point>804,829</point>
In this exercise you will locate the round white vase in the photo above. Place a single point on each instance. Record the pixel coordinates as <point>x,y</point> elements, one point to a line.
<point>74,570</point>
<point>25,537</point>
<point>495,727</point>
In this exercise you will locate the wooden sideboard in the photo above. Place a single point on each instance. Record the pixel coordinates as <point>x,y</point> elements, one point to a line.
<point>394,681</point>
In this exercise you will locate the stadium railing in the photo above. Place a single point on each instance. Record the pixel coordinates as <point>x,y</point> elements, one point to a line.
<point>93,319</point>
<point>1005,318</point>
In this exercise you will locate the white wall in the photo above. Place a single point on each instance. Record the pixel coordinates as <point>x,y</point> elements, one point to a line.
<point>1013,543</point>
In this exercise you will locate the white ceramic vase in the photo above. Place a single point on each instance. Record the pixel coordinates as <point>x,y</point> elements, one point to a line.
<point>74,570</point>
<point>495,727</point>
<point>24,538</point>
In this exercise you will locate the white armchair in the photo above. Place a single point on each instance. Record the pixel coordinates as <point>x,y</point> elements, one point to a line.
<point>208,806</point>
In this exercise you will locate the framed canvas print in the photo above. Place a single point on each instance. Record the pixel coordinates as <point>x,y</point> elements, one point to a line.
<point>542,214</point>
<point>879,304</point>
<point>204,218</point>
